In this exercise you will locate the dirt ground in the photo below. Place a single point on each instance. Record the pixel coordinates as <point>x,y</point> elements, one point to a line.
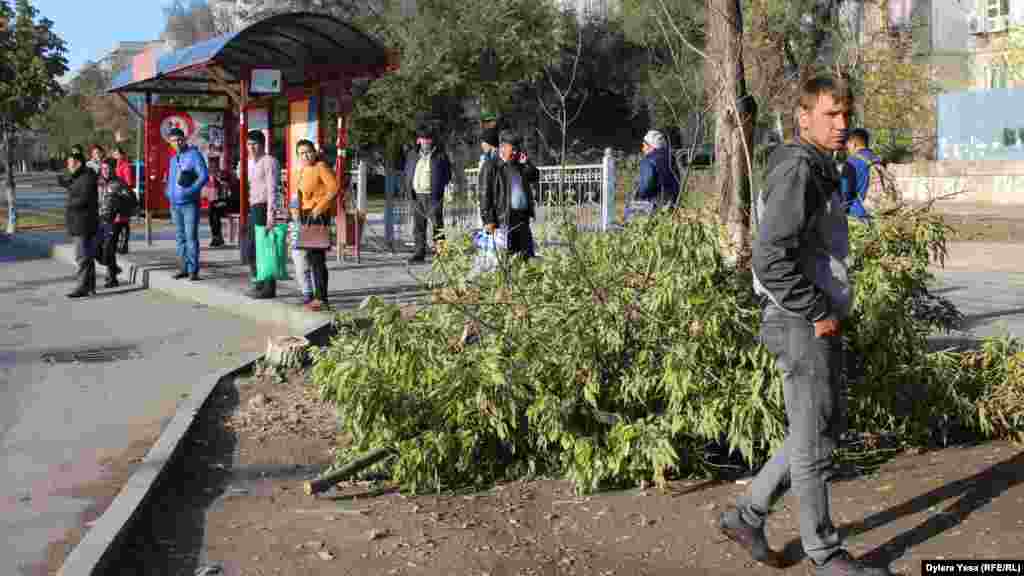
<point>965,502</point>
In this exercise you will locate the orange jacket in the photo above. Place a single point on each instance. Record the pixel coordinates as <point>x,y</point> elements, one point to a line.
<point>317,188</point>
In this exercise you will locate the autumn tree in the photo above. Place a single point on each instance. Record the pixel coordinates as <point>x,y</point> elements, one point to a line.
<point>189,23</point>
<point>31,60</point>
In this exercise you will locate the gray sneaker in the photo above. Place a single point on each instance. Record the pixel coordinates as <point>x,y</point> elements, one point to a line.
<point>751,539</point>
<point>842,564</point>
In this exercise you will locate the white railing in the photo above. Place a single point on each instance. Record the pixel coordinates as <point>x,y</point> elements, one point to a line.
<point>583,195</point>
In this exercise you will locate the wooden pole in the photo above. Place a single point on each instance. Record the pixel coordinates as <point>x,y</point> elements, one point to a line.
<point>243,174</point>
<point>149,175</point>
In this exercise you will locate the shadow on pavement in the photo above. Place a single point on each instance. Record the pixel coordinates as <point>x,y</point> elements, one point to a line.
<point>11,250</point>
<point>974,320</point>
<point>167,536</point>
<point>972,493</point>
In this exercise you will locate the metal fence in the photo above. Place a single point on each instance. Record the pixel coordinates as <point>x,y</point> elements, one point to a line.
<point>583,195</point>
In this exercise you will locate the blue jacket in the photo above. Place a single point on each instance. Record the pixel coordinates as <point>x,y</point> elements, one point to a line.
<point>856,180</point>
<point>658,182</point>
<point>192,159</point>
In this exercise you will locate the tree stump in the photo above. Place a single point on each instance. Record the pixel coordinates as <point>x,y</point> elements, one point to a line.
<point>286,352</point>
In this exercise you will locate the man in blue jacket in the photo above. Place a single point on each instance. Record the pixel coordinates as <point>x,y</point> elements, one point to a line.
<point>186,177</point>
<point>856,178</point>
<point>659,184</point>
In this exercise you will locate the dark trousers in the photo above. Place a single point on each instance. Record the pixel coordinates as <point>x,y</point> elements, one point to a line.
<point>121,233</point>
<point>85,249</point>
<point>812,392</point>
<point>215,214</point>
<point>423,207</point>
<point>108,254</point>
<point>520,237</point>
<point>317,260</point>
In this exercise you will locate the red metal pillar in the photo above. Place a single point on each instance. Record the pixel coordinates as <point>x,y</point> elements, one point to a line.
<point>148,158</point>
<point>341,170</point>
<point>243,173</point>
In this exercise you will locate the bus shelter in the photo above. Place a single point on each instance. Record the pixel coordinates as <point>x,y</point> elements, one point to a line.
<point>296,69</point>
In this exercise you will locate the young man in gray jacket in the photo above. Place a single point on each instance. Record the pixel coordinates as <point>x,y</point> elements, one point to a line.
<point>800,249</point>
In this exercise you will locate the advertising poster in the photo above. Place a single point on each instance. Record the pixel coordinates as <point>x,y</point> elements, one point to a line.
<point>304,124</point>
<point>203,129</point>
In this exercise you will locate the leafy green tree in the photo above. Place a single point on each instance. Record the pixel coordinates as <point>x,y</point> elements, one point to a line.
<point>31,60</point>
<point>440,46</point>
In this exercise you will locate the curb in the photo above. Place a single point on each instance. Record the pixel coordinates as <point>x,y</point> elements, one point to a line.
<point>295,318</point>
<point>100,545</point>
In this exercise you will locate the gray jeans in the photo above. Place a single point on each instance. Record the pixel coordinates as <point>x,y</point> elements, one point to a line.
<point>811,386</point>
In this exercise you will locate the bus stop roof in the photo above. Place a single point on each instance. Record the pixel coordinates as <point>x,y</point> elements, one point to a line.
<point>304,46</point>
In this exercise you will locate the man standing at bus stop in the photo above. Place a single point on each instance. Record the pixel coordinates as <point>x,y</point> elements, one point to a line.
<point>186,177</point>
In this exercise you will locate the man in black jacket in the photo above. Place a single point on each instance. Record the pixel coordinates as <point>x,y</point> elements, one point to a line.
<point>507,186</point>
<point>82,220</point>
<point>799,264</point>
<point>427,173</point>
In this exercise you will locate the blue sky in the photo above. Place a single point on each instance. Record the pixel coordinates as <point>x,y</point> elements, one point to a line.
<point>91,28</point>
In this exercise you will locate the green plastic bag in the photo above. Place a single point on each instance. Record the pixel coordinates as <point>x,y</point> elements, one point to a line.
<point>271,253</point>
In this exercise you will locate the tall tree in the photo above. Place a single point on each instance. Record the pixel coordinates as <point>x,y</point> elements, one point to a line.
<point>189,22</point>
<point>31,61</point>
<point>682,40</point>
<point>735,111</point>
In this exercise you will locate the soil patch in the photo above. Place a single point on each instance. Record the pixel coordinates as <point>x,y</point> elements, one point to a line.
<point>955,503</point>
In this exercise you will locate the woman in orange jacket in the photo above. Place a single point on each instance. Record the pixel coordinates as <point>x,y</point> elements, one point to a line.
<point>314,203</point>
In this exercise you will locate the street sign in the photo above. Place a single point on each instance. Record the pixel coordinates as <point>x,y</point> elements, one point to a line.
<point>265,81</point>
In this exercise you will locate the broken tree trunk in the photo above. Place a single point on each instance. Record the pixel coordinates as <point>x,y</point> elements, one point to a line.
<point>325,483</point>
<point>286,352</point>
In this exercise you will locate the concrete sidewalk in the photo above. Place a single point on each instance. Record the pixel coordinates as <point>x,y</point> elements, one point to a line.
<point>224,281</point>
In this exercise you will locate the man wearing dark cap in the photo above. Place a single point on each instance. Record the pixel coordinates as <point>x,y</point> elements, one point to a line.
<point>427,174</point>
<point>186,178</point>
<point>82,220</point>
<point>489,163</point>
<point>506,198</point>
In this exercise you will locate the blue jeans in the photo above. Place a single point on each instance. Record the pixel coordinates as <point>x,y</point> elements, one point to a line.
<point>186,234</point>
<point>811,387</point>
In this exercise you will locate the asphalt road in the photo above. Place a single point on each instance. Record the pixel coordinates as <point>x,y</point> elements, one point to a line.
<point>992,302</point>
<point>35,192</point>
<point>81,381</point>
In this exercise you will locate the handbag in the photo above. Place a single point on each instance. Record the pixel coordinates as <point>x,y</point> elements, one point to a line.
<point>313,234</point>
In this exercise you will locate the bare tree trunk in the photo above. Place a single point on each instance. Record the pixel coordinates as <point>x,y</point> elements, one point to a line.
<point>734,118</point>
<point>12,213</point>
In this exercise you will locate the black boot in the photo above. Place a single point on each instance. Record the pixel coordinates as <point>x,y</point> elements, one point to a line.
<point>111,282</point>
<point>263,291</point>
<point>181,274</point>
<point>418,257</point>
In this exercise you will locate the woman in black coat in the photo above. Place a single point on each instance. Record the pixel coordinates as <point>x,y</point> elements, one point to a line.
<point>81,218</point>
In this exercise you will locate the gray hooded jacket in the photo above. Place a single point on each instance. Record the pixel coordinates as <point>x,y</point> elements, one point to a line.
<point>802,238</point>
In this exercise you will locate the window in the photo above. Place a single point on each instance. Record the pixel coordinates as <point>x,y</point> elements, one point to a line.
<point>997,76</point>
<point>1009,137</point>
<point>997,8</point>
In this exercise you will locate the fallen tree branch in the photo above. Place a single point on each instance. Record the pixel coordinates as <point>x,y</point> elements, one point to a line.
<point>328,481</point>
